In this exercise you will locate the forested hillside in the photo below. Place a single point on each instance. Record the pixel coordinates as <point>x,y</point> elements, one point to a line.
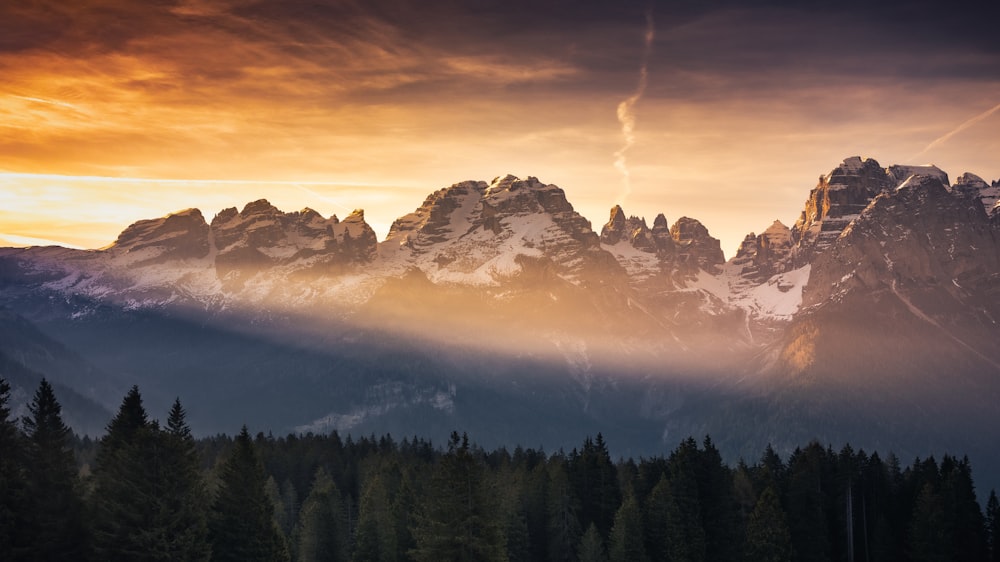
<point>147,491</point>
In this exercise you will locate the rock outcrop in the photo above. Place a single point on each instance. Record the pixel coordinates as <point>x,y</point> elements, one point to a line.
<point>484,234</point>
<point>181,235</point>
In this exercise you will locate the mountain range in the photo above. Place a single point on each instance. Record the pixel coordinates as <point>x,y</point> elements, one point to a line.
<point>496,308</point>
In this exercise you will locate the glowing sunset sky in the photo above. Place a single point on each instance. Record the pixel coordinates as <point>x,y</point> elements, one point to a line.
<point>115,110</point>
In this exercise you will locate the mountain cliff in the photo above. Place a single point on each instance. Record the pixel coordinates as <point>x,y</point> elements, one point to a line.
<point>493,295</point>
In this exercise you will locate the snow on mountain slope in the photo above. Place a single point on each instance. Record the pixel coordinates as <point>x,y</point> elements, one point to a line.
<point>478,234</point>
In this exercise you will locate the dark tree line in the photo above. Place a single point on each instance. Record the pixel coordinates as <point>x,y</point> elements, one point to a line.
<point>146,492</point>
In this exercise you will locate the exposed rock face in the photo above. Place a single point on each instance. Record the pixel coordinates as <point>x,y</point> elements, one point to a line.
<point>695,246</point>
<point>261,235</point>
<point>177,236</point>
<point>917,235</point>
<point>632,229</point>
<point>484,234</point>
<point>838,199</point>
<point>975,187</point>
<point>762,256</point>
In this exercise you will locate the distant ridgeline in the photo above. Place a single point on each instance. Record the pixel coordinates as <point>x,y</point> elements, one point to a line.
<point>146,491</point>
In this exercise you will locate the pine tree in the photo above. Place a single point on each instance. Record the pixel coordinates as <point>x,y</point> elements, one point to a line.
<point>322,528</point>
<point>404,508</point>
<point>376,537</point>
<point>993,526</point>
<point>931,528</point>
<point>563,510</point>
<point>685,534</point>
<point>131,417</point>
<point>185,515</point>
<point>459,522</point>
<point>53,514</point>
<point>125,499</point>
<point>11,478</point>
<point>149,496</point>
<point>969,541</point>
<point>626,533</point>
<point>719,510</point>
<point>595,480</point>
<point>806,516</point>
<point>768,539</point>
<point>591,546</point>
<point>657,509</point>
<point>241,522</point>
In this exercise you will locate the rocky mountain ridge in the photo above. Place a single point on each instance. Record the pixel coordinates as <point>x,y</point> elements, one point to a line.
<point>889,274</point>
<point>489,235</point>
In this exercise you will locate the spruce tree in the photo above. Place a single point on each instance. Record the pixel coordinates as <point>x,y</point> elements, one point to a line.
<point>376,536</point>
<point>719,510</point>
<point>969,541</point>
<point>768,539</point>
<point>685,534</point>
<point>993,526</point>
<point>591,546</point>
<point>149,496</point>
<point>626,533</point>
<point>185,513</point>
<point>11,478</point>
<point>459,521</point>
<point>595,480</point>
<point>241,522</point>
<point>322,530</point>
<point>563,508</point>
<point>807,519</point>
<point>53,514</point>
<point>657,509</point>
<point>123,499</point>
<point>931,527</point>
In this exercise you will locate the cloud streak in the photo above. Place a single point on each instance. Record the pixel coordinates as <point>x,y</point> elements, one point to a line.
<point>626,110</point>
<point>947,136</point>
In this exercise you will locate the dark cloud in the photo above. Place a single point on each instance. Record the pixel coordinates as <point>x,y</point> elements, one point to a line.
<point>378,48</point>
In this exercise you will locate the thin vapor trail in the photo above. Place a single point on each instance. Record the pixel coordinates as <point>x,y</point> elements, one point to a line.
<point>944,138</point>
<point>626,110</point>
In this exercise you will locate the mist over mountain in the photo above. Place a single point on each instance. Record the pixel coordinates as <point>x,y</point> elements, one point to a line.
<point>496,308</point>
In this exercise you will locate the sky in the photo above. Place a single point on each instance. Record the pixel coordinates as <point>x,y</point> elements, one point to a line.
<point>112,111</point>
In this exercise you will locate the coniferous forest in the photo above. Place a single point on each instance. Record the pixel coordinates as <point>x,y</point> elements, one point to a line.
<point>147,491</point>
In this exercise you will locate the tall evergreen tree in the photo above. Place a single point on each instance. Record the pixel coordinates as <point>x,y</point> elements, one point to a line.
<point>969,541</point>
<point>626,533</point>
<point>241,522</point>
<point>595,480</point>
<point>404,508</point>
<point>685,534</point>
<point>591,546</point>
<point>768,539</point>
<point>806,499</point>
<point>657,516</point>
<point>931,527</point>
<point>11,478</point>
<point>993,526</point>
<point>719,509</point>
<point>125,498</point>
<point>184,514</point>
<point>459,521</point>
<point>563,508</point>
<point>322,530</point>
<point>131,417</point>
<point>149,496</point>
<point>53,515</point>
<point>376,536</point>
